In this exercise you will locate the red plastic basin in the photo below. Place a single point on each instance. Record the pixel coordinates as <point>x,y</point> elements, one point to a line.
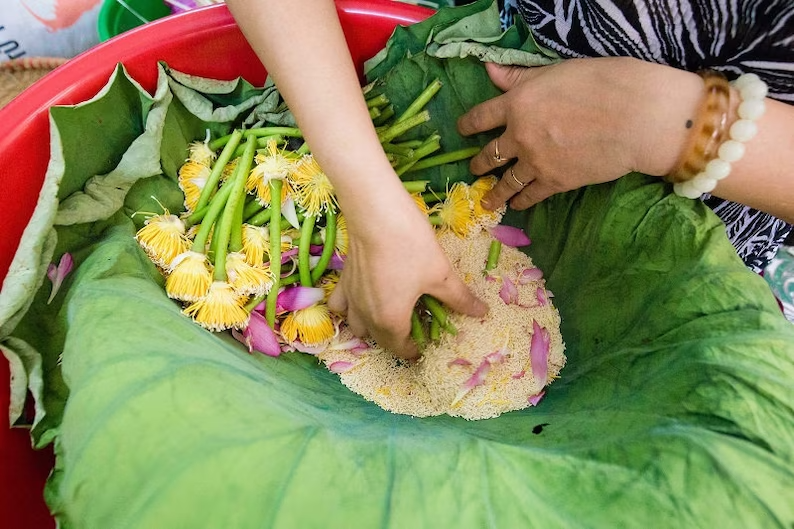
<point>203,42</point>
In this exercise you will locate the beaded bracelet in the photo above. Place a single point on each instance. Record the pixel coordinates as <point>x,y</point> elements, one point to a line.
<point>714,166</point>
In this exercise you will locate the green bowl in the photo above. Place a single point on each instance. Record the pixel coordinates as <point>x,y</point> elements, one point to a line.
<point>118,16</point>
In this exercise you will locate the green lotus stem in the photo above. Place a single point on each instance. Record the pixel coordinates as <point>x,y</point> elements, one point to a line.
<point>416,186</point>
<point>217,169</point>
<point>493,255</point>
<point>435,219</point>
<point>275,251</point>
<point>289,280</point>
<point>252,208</point>
<point>258,132</point>
<point>399,149</point>
<point>420,101</point>
<point>431,145</point>
<point>260,218</point>
<point>215,207</point>
<point>315,239</point>
<point>439,313</point>
<point>303,149</point>
<point>195,217</point>
<point>385,114</point>
<point>447,157</point>
<point>374,113</point>
<point>417,332</point>
<point>435,330</point>
<point>328,246</point>
<point>307,229</point>
<point>232,210</point>
<point>378,101</point>
<point>398,129</point>
<point>261,143</point>
<point>244,165</point>
<point>431,197</point>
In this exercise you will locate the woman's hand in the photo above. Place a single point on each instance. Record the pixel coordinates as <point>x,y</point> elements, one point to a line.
<point>580,122</point>
<point>393,259</point>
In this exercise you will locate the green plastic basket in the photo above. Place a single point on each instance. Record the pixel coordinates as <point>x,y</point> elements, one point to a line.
<point>118,16</point>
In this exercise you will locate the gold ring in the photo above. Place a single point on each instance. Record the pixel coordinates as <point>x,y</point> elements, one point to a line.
<point>517,181</point>
<point>497,157</point>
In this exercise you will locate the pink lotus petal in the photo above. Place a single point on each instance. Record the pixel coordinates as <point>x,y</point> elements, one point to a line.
<point>288,254</point>
<point>539,352</point>
<point>519,375</point>
<point>260,337</point>
<point>534,399</point>
<point>530,274</point>
<point>295,298</point>
<point>313,350</point>
<point>489,278</point>
<point>458,362</point>
<point>354,346</point>
<point>340,366</point>
<point>478,377</point>
<point>315,249</point>
<point>57,274</point>
<point>509,291</point>
<point>510,235</point>
<point>337,262</point>
<point>543,300</point>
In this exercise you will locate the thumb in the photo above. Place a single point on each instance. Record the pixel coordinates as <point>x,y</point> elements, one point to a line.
<point>459,298</point>
<point>505,77</point>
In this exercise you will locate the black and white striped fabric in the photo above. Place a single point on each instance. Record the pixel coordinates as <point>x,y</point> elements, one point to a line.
<point>732,36</point>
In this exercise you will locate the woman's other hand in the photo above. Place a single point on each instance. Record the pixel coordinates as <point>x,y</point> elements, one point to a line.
<point>580,122</point>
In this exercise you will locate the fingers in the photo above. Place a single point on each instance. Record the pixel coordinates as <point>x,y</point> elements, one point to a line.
<point>397,338</point>
<point>486,116</point>
<point>532,194</point>
<point>509,185</point>
<point>459,298</point>
<point>495,154</point>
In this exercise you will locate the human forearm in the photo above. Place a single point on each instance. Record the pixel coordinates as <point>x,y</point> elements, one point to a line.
<point>764,177</point>
<point>302,46</point>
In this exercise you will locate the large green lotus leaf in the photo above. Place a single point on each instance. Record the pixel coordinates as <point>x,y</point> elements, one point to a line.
<point>675,408</point>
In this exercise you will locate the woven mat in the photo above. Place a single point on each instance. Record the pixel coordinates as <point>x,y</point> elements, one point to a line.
<point>18,74</point>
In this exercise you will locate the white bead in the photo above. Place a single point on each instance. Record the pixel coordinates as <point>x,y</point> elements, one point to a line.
<point>754,90</point>
<point>702,183</point>
<point>751,109</point>
<point>731,151</point>
<point>743,130</point>
<point>686,191</point>
<point>745,79</point>
<point>717,169</point>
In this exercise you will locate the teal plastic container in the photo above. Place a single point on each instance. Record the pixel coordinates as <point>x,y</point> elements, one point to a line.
<point>118,16</point>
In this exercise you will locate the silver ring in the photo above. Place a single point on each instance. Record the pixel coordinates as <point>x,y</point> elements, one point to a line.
<point>517,181</point>
<point>497,157</point>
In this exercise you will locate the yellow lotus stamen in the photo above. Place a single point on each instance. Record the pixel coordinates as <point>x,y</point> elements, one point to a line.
<point>478,190</point>
<point>200,152</point>
<point>274,165</point>
<point>420,202</point>
<point>310,326</point>
<point>342,240</point>
<point>256,244</point>
<point>163,238</point>
<point>328,283</point>
<point>189,277</point>
<point>228,169</point>
<point>313,190</point>
<point>222,308</point>
<point>192,178</point>
<point>456,212</point>
<point>246,279</point>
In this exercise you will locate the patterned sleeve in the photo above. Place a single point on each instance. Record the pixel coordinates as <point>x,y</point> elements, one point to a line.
<point>732,36</point>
